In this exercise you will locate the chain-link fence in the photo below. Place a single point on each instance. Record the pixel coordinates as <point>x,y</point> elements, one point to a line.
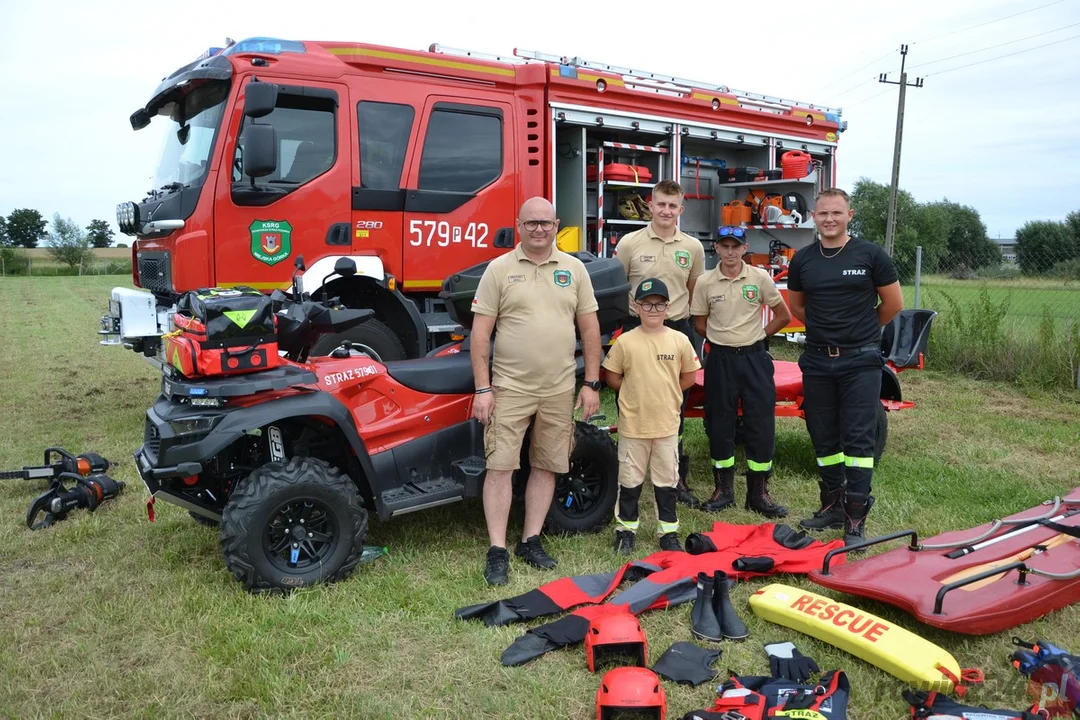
<point>998,318</point>
<point>16,262</point>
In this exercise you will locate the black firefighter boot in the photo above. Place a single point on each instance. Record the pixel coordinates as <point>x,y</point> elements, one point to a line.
<point>856,507</point>
<point>724,491</point>
<point>831,514</point>
<point>757,495</point>
<point>731,625</point>
<point>682,491</point>
<point>703,620</point>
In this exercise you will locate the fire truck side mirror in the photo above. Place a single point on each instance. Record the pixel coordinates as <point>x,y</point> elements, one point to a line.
<point>259,143</point>
<point>260,99</point>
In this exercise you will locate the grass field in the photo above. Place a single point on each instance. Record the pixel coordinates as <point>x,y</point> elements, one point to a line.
<point>108,615</point>
<point>1026,297</point>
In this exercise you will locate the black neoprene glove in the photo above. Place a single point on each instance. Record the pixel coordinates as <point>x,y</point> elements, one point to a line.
<point>787,662</point>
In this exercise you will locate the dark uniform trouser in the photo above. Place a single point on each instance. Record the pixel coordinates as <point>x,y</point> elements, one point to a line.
<point>841,396</point>
<point>746,375</point>
<point>686,328</point>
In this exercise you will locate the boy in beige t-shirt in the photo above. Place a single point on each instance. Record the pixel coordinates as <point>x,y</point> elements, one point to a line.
<point>649,367</point>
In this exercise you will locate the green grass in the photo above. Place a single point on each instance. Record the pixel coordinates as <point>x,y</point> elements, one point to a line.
<point>1026,297</point>
<point>108,615</point>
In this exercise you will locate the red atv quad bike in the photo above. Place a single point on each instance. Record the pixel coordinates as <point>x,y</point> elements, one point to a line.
<point>292,455</point>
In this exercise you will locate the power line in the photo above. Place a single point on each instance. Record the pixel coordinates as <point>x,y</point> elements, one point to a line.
<point>999,57</point>
<point>855,87</point>
<point>866,99</point>
<point>845,77</point>
<point>991,47</point>
<point>988,22</point>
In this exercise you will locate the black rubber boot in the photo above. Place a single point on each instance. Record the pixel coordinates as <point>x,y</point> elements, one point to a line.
<point>757,496</point>
<point>731,625</point>
<point>856,508</point>
<point>682,491</point>
<point>703,620</point>
<point>724,491</point>
<point>831,513</point>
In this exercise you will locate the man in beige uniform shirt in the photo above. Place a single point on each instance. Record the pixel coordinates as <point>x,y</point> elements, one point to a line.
<point>727,311</point>
<point>534,295</point>
<point>660,250</point>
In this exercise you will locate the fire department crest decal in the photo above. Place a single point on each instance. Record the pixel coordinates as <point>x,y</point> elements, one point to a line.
<point>682,258</point>
<point>271,240</point>
<point>750,293</point>
<point>562,278</point>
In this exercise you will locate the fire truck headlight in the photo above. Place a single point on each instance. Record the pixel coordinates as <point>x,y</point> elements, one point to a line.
<point>127,217</point>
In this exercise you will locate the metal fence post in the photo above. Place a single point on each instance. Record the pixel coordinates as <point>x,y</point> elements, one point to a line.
<point>918,273</point>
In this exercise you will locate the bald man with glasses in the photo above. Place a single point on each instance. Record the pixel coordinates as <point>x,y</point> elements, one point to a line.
<point>533,297</point>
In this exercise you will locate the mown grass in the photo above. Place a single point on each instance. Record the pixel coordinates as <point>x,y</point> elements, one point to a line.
<point>108,615</point>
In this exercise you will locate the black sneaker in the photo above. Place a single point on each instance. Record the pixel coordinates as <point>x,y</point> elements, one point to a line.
<point>670,541</point>
<point>497,566</point>
<point>532,552</point>
<point>624,542</point>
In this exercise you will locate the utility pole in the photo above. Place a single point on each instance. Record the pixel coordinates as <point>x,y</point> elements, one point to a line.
<point>890,227</point>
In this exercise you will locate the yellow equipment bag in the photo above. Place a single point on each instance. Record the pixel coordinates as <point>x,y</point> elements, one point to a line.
<point>897,651</point>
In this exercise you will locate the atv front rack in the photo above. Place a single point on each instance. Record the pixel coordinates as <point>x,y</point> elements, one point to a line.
<point>226,386</point>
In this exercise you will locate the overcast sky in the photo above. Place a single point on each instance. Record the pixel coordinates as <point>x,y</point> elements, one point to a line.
<point>1002,136</point>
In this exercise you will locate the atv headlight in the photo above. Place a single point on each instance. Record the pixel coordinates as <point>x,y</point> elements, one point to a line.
<point>198,425</point>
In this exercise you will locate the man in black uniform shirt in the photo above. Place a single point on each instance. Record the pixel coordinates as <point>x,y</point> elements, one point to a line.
<point>834,286</point>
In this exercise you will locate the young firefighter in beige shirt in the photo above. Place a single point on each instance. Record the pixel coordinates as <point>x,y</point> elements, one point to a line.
<point>650,367</point>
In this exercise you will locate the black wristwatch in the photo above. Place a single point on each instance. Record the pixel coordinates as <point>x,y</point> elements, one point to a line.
<point>594,385</point>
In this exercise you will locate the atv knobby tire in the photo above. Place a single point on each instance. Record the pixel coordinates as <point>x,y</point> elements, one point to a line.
<point>257,518</point>
<point>591,486</point>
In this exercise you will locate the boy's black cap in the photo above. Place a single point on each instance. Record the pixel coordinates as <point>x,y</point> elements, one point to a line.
<point>651,286</point>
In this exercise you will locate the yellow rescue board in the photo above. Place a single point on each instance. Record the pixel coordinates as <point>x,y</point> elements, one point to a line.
<point>895,650</point>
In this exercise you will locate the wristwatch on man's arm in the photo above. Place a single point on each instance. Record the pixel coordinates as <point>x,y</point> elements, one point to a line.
<point>594,385</point>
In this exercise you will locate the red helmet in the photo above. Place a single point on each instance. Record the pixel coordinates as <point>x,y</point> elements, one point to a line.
<point>616,633</point>
<point>636,689</point>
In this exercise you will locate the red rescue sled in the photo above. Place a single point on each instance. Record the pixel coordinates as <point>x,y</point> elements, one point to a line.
<point>979,581</point>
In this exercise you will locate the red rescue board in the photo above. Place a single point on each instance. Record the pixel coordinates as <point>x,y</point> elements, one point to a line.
<point>1012,571</point>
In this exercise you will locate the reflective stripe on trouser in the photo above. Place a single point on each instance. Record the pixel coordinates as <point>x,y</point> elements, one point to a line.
<point>626,508</point>
<point>666,519</point>
<point>725,463</point>
<point>746,378</point>
<point>841,397</point>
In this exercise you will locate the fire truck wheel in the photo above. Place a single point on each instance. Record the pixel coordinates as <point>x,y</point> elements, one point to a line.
<point>373,337</point>
<point>293,524</point>
<point>584,500</point>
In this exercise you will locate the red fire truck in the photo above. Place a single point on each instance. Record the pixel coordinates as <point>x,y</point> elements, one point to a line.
<point>414,164</point>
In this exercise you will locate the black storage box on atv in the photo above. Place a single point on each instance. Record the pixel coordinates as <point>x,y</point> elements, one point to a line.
<point>222,331</point>
<point>610,286</point>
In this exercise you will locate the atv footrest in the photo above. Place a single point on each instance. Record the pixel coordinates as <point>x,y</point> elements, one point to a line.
<point>421,495</point>
<point>277,378</point>
<point>470,471</point>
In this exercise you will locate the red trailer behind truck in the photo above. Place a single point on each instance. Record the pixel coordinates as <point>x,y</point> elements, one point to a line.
<point>414,163</point>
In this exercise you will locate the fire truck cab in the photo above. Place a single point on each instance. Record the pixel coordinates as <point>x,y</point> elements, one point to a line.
<point>414,164</point>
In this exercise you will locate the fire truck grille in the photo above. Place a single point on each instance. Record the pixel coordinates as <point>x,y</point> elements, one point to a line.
<point>155,271</point>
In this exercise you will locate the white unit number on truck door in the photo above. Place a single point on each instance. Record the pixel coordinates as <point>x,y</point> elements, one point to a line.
<point>425,233</point>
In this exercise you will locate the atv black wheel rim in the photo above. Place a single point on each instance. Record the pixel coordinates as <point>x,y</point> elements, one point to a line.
<point>300,534</point>
<point>579,491</point>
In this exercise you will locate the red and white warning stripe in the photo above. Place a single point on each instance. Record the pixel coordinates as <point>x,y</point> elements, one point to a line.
<point>631,146</point>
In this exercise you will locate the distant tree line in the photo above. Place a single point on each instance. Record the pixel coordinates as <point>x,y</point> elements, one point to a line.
<point>953,236</point>
<point>67,242</point>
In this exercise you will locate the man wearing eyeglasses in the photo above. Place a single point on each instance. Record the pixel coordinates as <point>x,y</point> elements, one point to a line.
<point>534,295</point>
<point>726,308</point>
<point>660,250</point>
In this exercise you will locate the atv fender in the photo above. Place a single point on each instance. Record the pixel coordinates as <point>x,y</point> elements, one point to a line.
<point>235,423</point>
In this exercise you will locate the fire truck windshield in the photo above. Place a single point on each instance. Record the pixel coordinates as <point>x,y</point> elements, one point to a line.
<point>193,121</point>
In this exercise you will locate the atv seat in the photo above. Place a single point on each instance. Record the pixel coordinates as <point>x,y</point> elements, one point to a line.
<point>906,336</point>
<point>443,375</point>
